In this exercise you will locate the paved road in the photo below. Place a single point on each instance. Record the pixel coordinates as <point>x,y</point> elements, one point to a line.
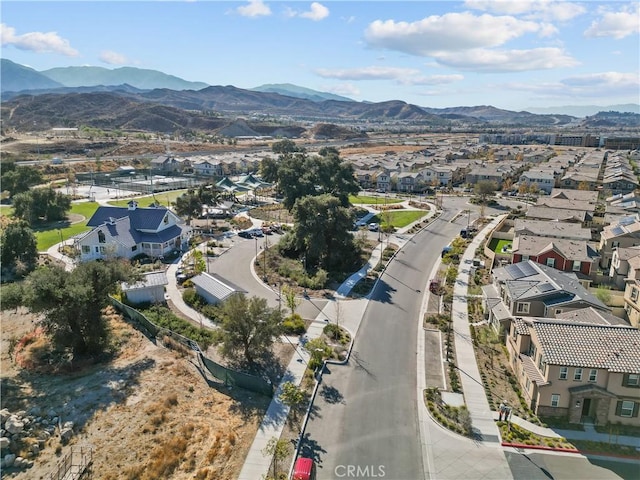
<point>366,413</point>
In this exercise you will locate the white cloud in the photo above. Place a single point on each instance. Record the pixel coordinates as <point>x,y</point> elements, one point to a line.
<point>483,60</point>
<point>39,42</point>
<point>344,89</point>
<point>113,58</point>
<point>618,24</point>
<point>317,12</point>
<point>368,73</point>
<point>594,85</point>
<point>255,8</point>
<point>449,32</point>
<point>432,80</point>
<point>549,10</point>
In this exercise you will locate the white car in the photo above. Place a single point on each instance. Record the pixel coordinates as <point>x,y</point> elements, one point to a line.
<point>373,227</point>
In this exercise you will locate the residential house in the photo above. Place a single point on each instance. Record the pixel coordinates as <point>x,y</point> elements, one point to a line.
<point>621,262</point>
<point>534,290</point>
<point>364,178</point>
<point>586,370</point>
<point>577,256</point>
<point>632,291</point>
<point>625,233</point>
<point>383,180</point>
<point>213,288</point>
<point>437,175</point>
<point>543,180</point>
<point>555,215</point>
<point>131,231</point>
<point>569,231</point>
<point>149,289</point>
<point>585,196</point>
<point>208,168</point>
<point>408,181</point>
<point>484,172</point>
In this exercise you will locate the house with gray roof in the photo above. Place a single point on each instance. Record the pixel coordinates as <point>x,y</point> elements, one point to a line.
<point>213,288</point>
<point>582,368</point>
<point>125,232</point>
<point>529,289</point>
<point>625,233</point>
<point>569,231</point>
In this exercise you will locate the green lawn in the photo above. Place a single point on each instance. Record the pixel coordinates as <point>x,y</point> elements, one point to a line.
<point>164,198</point>
<point>50,235</point>
<point>371,200</point>
<point>497,244</point>
<point>399,218</point>
<point>6,210</point>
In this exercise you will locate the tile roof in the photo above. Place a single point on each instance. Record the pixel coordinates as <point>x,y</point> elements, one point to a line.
<point>547,213</point>
<point>615,348</point>
<point>592,316</point>
<point>570,249</point>
<point>551,229</point>
<point>531,370</point>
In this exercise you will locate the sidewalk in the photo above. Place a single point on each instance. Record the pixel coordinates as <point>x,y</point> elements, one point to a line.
<point>348,313</point>
<point>475,398</point>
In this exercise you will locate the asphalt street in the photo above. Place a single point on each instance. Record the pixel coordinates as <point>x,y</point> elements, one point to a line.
<point>365,415</point>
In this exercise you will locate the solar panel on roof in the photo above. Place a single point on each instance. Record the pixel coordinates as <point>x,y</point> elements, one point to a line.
<point>627,220</point>
<point>617,230</point>
<point>515,271</point>
<point>527,269</point>
<point>546,287</point>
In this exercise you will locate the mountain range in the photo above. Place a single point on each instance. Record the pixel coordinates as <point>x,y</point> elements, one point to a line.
<point>132,98</point>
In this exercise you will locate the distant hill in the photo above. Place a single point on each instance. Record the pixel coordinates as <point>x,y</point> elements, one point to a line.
<point>136,77</point>
<point>587,110</point>
<point>612,119</point>
<point>17,77</point>
<point>299,92</point>
<point>493,115</point>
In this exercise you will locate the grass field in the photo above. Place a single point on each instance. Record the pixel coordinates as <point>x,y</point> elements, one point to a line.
<point>164,198</point>
<point>399,218</point>
<point>6,210</point>
<point>48,236</point>
<point>371,200</point>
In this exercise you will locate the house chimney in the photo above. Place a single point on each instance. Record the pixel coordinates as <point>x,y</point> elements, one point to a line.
<point>132,205</point>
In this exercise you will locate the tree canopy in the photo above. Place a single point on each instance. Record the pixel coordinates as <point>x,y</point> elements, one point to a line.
<point>72,303</point>
<point>298,174</point>
<point>322,234</point>
<point>190,203</point>
<point>249,327</point>
<point>41,205</point>
<point>18,179</point>
<point>18,248</point>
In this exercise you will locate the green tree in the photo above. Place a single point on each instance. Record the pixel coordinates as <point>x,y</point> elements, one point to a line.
<point>41,205</point>
<point>290,298</point>
<point>299,175</point>
<point>19,179</point>
<point>18,248</point>
<point>293,397</point>
<point>279,450</point>
<point>319,351</point>
<point>188,204</point>
<point>11,295</point>
<point>484,188</point>
<point>286,146</point>
<point>322,234</point>
<point>72,303</point>
<point>249,326</point>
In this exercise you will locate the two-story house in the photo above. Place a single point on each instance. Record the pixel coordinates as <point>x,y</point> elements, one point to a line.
<point>533,290</point>
<point>383,180</point>
<point>544,181</point>
<point>625,233</point>
<point>127,232</point>
<point>587,371</point>
<point>578,256</point>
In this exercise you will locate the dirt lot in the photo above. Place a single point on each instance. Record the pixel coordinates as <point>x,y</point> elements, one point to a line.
<point>148,414</point>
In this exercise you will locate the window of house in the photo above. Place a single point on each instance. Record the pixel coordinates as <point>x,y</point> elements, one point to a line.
<point>555,399</point>
<point>101,237</point>
<point>626,408</point>
<point>634,294</point>
<point>564,373</point>
<point>103,250</point>
<point>631,380</point>
<point>522,308</point>
<point>532,350</point>
<point>576,265</point>
<point>134,248</point>
<point>528,385</point>
<point>86,248</point>
<point>525,258</point>
<point>97,249</point>
<point>541,363</point>
<point>593,375</point>
<point>551,262</point>
<point>577,374</point>
<point>166,219</point>
<point>558,311</point>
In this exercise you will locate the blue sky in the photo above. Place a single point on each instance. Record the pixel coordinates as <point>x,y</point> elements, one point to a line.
<point>513,54</point>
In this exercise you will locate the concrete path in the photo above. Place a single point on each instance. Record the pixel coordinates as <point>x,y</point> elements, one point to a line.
<point>475,398</point>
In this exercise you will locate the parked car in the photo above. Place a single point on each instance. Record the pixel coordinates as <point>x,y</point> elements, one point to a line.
<point>373,227</point>
<point>245,234</point>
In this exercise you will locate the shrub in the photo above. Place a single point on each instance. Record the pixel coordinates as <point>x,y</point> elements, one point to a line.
<point>332,331</point>
<point>294,325</point>
<point>191,298</point>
